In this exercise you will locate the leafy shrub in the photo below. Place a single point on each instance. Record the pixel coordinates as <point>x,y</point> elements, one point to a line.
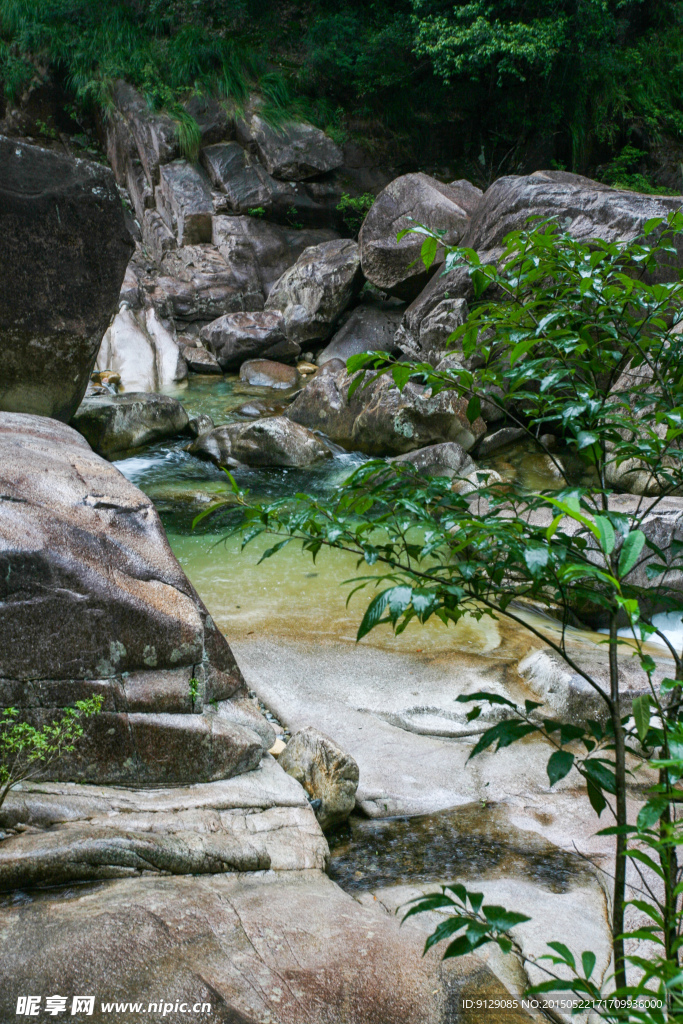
<point>27,751</point>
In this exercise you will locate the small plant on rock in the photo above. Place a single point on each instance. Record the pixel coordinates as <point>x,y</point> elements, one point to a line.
<point>27,751</point>
<point>354,209</point>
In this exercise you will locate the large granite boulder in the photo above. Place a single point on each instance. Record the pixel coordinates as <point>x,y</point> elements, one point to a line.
<point>271,441</point>
<point>439,306</point>
<point>245,185</point>
<point>406,202</point>
<point>236,337</point>
<point>294,151</point>
<point>116,423</point>
<point>286,947</point>
<point>65,250</point>
<point>586,209</point>
<point>368,328</point>
<point>271,248</point>
<point>143,350</point>
<point>313,293</point>
<point>379,419</point>
<point>92,601</point>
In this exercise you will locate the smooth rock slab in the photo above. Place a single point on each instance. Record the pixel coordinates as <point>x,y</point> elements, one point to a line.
<point>115,423</point>
<point>65,251</point>
<point>259,820</point>
<point>143,349</point>
<point>276,947</point>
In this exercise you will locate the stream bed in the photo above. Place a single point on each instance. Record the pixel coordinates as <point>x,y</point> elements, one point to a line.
<point>288,598</point>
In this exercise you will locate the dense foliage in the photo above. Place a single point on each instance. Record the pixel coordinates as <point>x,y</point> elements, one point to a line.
<point>489,87</point>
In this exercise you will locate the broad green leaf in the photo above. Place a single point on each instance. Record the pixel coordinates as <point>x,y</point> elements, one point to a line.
<point>641,714</point>
<point>428,251</point>
<point>597,800</point>
<point>564,952</point>
<point>606,534</point>
<point>588,962</point>
<point>473,408</point>
<point>559,764</point>
<point>536,557</point>
<point>651,812</point>
<point>630,551</point>
<point>501,919</point>
<point>491,698</point>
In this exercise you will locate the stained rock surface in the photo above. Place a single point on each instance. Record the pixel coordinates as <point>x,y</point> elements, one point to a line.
<point>283,947</point>
<point>65,250</point>
<point>92,600</point>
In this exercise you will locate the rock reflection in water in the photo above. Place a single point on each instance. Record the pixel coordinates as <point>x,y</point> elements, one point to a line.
<point>465,844</point>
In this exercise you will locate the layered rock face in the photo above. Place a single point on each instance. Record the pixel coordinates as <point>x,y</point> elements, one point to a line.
<point>94,602</point>
<point>65,250</point>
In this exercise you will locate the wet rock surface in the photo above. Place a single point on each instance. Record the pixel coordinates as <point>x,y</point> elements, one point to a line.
<point>115,423</point>
<point>266,373</point>
<point>65,250</point>
<point>271,441</point>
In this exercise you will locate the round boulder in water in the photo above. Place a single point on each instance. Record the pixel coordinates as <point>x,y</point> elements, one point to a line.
<point>266,373</point>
